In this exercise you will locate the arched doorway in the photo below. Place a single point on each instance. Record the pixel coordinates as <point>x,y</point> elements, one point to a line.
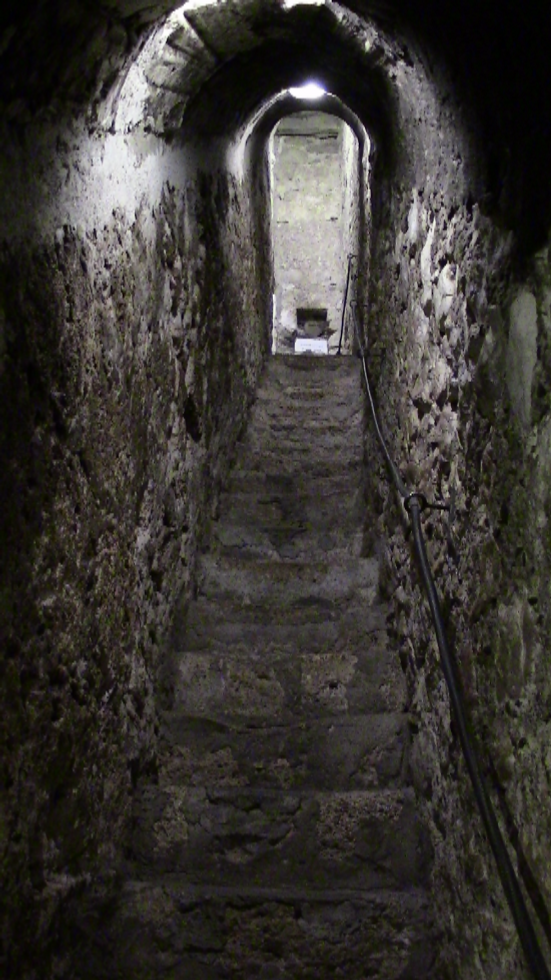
<point>315,182</point>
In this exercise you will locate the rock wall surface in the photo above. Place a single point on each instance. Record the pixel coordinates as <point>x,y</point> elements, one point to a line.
<point>132,331</point>
<point>356,206</point>
<point>458,332</point>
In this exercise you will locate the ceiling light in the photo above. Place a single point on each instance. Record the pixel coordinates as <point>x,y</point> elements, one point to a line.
<point>311,90</point>
<point>303,3</point>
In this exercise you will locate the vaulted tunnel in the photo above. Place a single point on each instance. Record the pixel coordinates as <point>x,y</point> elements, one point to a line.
<point>136,283</point>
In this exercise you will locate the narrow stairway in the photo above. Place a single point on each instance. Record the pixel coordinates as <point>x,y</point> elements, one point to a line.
<point>281,839</point>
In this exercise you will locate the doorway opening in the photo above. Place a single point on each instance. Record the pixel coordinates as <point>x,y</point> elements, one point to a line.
<point>315,191</point>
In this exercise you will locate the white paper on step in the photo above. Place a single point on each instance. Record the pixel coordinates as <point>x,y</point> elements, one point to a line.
<point>308,345</point>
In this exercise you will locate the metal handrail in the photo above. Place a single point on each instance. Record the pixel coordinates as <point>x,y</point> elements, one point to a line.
<point>414,502</point>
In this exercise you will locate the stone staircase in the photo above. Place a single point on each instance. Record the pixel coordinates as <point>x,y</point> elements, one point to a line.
<point>281,838</point>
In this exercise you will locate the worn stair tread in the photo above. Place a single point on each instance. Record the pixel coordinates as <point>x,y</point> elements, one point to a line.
<point>277,583</point>
<point>217,626</point>
<point>333,447</point>
<point>332,512</point>
<point>276,483</point>
<point>203,632</point>
<point>273,686</point>
<point>315,412</point>
<point>297,458</point>
<point>314,461</point>
<point>165,927</point>
<point>250,467</point>
<point>284,543</point>
<point>295,403</point>
<point>270,515</point>
<point>285,526</point>
<point>310,374</point>
<point>379,897</point>
<point>355,752</point>
<point>321,436</point>
<point>207,617</point>
<point>334,415</point>
<point>311,365</point>
<point>287,540</point>
<point>366,838</point>
<point>279,379</point>
<point>277,486</point>
<point>364,570</point>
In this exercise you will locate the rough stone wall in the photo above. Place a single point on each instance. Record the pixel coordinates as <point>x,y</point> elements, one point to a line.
<point>311,221</point>
<point>132,332</point>
<point>353,207</point>
<point>459,348</point>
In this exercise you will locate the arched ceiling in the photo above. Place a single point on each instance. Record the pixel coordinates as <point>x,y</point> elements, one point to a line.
<point>492,46</point>
<point>349,62</point>
<point>78,53</point>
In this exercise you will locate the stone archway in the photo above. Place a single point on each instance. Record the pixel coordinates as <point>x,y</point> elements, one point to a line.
<point>315,160</point>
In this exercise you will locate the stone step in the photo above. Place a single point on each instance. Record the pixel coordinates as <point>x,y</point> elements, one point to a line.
<point>316,406</point>
<point>288,583</point>
<point>310,395</point>
<point>284,541</point>
<point>279,401</point>
<point>314,424</point>
<point>284,521</point>
<point>312,367</point>
<point>349,467</point>
<point>242,837</point>
<point>279,687</point>
<point>286,486</point>
<point>322,503</point>
<point>310,466</point>
<point>331,448</point>
<point>279,374</point>
<point>316,628</point>
<point>356,752</point>
<point>307,457</point>
<point>328,444</point>
<point>168,928</point>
